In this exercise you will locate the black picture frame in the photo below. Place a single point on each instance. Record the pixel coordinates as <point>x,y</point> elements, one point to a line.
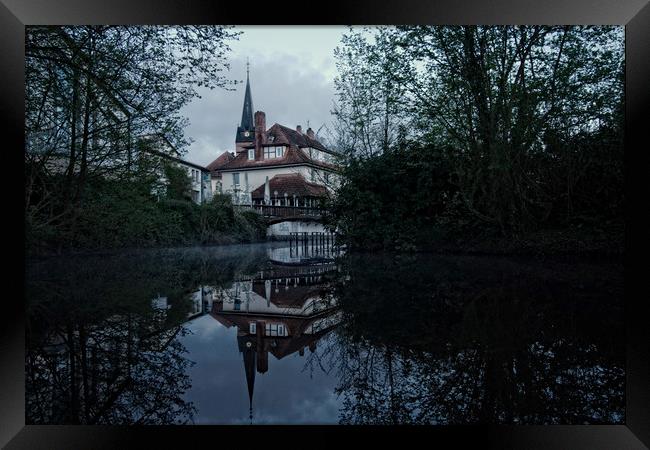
<point>15,14</point>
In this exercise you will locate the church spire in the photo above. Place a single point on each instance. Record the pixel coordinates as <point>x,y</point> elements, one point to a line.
<point>247,112</point>
<point>246,128</point>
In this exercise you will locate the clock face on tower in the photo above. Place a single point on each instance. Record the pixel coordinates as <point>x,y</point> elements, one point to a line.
<point>247,133</point>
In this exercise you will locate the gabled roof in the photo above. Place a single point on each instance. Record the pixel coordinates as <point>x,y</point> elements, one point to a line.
<point>222,160</point>
<point>281,135</point>
<point>290,136</point>
<point>292,156</point>
<point>291,184</point>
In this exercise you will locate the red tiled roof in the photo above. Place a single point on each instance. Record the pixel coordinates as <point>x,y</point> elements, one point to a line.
<point>292,184</point>
<point>292,137</point>
<point>222,160</point>
<point>292,156</point>
<point>294,142</point>
<point>287,296</point>
<point>282,135</point>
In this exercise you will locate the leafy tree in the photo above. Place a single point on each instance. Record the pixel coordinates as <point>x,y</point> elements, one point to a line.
<point>370,92</point>
<point>398,199</point>
<point>178,183</point>
<point>530,119</point>
<point>92,92</point>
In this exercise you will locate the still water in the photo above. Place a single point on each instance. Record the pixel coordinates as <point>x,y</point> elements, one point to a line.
<point>273,334</point>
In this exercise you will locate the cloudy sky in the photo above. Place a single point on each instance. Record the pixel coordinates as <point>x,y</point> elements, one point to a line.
<point>292,70</point>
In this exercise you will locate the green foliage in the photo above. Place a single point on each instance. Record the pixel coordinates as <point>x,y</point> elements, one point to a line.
<point>524,124</point>
<point>179,182</point>
<point>95,96</point>
<point>409,199</point>
<point>219,214</point>
<point>125,214</point>
<point>393,200</point>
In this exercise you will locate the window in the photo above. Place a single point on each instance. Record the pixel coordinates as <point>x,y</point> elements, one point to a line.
<point>273,152</point>
<point>252,328</point>
<point>274,329</point>
<point>251,154</point>
<point>235,179</point>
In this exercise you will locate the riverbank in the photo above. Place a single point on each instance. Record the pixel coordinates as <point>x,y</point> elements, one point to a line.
<point>605,241</point>
<point>572,241</point>
<point>118,216</point>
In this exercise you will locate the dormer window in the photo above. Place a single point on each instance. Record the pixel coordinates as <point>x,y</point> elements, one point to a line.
<point>251,154</point>
<point>273,152</point>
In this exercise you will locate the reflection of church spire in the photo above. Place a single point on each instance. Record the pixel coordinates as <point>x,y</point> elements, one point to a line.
<point>246,347</point>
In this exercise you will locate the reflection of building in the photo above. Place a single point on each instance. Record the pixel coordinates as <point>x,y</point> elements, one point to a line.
<point>200,302</point>
<point>279,312</point>
<point>317,250</point>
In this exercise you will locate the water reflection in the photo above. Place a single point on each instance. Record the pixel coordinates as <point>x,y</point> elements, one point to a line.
<point>178,336</point>
<point>480,340</point>
<point>304,252</point>
<point>279,311</point>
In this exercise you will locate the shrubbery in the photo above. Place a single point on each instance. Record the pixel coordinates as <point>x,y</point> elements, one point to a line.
<point>412,198</point>
<point>126,214</point>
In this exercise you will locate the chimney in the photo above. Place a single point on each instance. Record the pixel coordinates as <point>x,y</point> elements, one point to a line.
<point>299,129</point>
<point>260,128</point>
<point>310,133</point>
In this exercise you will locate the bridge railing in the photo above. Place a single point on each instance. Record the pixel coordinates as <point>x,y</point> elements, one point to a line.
<point>286,211</point>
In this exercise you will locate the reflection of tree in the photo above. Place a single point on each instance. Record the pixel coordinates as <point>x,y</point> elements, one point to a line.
<point>110,376</point>
<point>99,351</point>
<point>464,340</point>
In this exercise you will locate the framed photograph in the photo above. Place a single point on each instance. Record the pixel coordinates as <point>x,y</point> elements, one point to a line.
<point>331,219</point>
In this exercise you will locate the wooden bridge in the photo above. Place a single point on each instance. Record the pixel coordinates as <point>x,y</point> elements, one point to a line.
<point>278,213</point>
